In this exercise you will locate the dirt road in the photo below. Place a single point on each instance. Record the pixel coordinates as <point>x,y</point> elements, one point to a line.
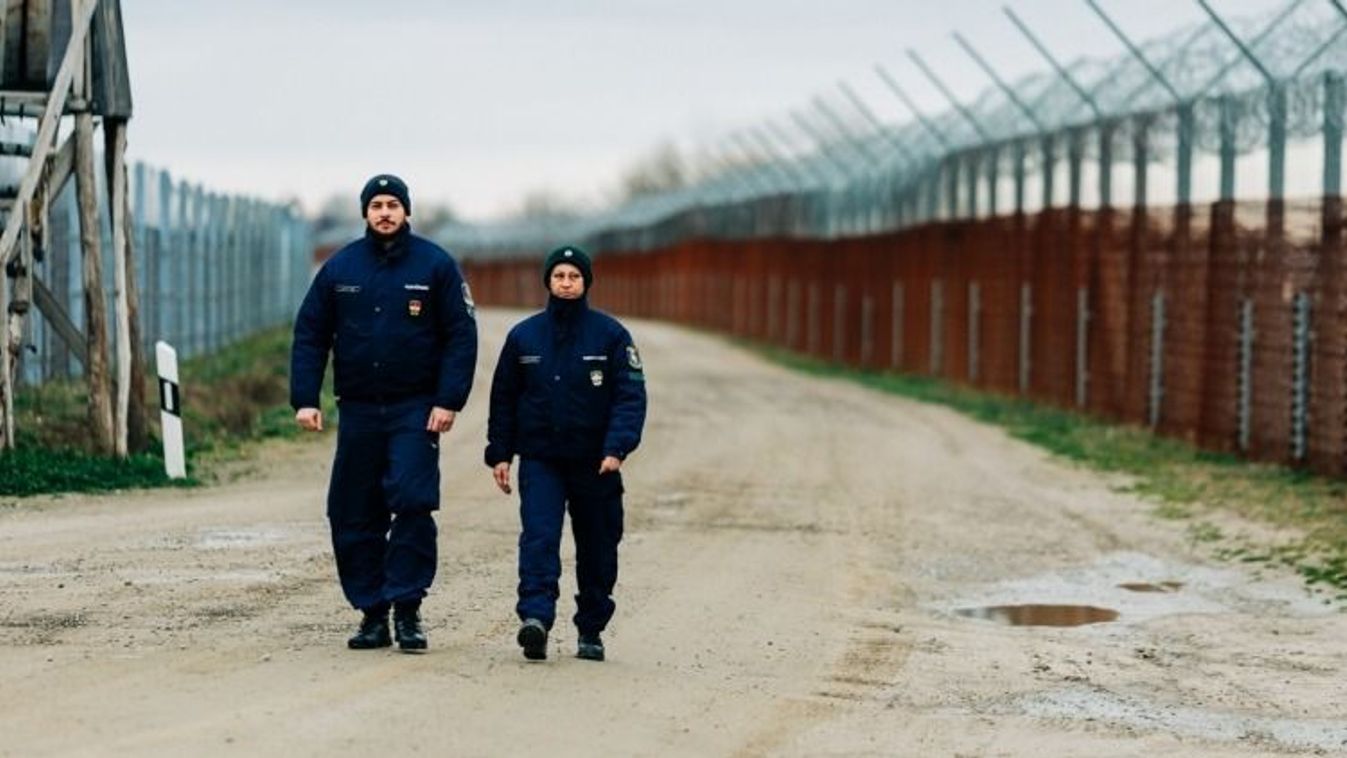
<point>799,568</point>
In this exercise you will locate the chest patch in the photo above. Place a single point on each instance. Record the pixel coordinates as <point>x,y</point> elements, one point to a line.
<point>596,378</point>
<point>527,359</point>
<point>413,308</point>
<point>346,289</point>
<point>417,287</point>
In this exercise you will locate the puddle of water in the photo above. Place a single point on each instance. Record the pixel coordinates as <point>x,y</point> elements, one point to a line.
<point>1151,586</point>
<point>1041,615</point>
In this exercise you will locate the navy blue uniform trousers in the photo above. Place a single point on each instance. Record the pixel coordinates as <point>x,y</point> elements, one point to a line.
<point>546,488</point>
<point>385,486</point>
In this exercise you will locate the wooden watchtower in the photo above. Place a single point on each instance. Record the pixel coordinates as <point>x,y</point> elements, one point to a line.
<point>64,59</point>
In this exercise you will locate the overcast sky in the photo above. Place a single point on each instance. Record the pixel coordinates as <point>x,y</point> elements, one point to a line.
<point>476,102</point>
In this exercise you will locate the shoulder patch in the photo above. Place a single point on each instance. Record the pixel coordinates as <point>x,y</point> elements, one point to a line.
<point>467,301</point>
<point>633,357</point>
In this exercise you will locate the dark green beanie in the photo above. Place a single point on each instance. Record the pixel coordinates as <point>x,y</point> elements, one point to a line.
<point>572,255</point>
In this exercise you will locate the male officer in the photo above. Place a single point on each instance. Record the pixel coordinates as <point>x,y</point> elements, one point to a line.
<point>398,318</point>
<point>568,396</point>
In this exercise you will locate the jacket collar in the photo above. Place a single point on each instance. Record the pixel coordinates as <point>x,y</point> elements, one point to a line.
<point>389,248</point>
<point>566,311</point>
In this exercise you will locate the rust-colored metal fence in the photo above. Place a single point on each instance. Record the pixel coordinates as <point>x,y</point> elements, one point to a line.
<point>1050,238</point>
<point>1222,325</point>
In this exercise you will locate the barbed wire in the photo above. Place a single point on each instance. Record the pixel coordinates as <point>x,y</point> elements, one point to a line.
<point>1217,87</point>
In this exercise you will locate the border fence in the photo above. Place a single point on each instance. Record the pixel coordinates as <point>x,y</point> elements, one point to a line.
<point>1074,237</point>
<point>211,269</point>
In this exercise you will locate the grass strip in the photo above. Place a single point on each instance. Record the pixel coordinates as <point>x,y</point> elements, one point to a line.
<point>231,399</point>
<point>1183,480</point>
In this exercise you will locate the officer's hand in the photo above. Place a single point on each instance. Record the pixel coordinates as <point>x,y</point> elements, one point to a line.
<point>309,419</point>
<point>610,464</point>
<point>441,420</point>
<point>501,473</point>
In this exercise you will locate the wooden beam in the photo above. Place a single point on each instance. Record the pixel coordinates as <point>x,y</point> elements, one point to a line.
<point>62,168</point>
<point>57,318</point>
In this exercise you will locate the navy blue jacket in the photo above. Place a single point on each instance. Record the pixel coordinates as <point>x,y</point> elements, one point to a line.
<point>399,323</point>
<point>569,384</point>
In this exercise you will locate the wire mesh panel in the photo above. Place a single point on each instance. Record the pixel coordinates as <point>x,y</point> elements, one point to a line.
<point>210,269</point>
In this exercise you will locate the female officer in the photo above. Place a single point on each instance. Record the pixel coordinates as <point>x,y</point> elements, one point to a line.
<point>567,397</point>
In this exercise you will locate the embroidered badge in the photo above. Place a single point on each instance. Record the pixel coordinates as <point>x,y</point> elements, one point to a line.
<point>414,308</point>
<point>347,289</point>
<point>633,357</point>
<point>596,378</point>
<point>418,287</point>
<point>467,301</point>
<point>527,359</point>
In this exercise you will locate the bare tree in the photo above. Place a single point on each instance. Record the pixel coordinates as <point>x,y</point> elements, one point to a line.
<point>661,169</point>
<point>546,205</point>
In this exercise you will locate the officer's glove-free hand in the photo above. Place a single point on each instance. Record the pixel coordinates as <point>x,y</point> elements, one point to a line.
<point>501,473</point>
<point>441,420</point>
<point>610,464</point>
<point>309,419</point>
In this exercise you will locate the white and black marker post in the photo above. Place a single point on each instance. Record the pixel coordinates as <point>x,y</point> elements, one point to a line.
<point>170,409</point>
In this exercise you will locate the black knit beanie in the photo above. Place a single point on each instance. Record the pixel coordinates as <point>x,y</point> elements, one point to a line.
<point>572,255</point>
<point>385,184</point>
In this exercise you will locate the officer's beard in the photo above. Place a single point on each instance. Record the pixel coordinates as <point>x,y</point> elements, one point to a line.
<point>387,239</point>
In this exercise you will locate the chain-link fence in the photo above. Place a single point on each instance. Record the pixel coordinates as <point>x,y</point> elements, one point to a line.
<point>1045,239</point>
<point>211,269</point>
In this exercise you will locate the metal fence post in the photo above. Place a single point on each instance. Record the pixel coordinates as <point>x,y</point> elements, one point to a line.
<point>1157,373</point>
<point>1244,396</point>
<point>814,327</point>
<point>896,327</point>
<point>1228,148</point>
<point>839,323</point>
<point>1184,158</point>
<point>974,330</point>
<point>867,330</point>
<point>1300,374</point>
<point>1082,346</point>
<point>1334,96</point>
<point>1026,334</point>
<point>937,326</point>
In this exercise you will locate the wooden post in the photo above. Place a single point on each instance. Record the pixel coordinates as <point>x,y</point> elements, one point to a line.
<point>114,143</point>
<point>95,316</point>
<point>131,422</point>
<point>6,380</point>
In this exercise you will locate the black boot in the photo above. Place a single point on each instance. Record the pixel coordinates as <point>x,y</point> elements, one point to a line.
<point>589,647</point>
<point>533,638</point>
<point>373,632</point>
<point>407,627</point>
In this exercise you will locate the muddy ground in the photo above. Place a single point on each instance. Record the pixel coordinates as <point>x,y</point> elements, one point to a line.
<point>802,574</point>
